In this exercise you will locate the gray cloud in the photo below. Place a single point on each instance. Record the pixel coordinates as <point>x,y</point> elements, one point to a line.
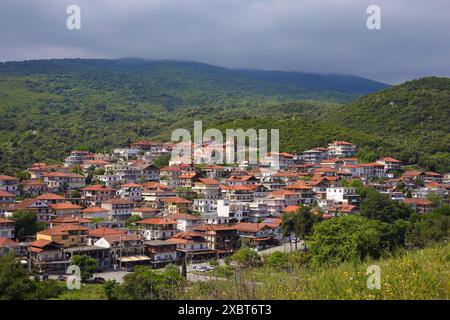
<point>305,35</point>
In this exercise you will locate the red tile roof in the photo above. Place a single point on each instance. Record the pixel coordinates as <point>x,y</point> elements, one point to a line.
<point>6,194</point>
<point>5,221</point>
<point>50,196</point>
<point>93,209</point>
<point>100,232</point>
<point>64,206</point>
<point>98,187</point>
<point>6,242</point>
<point>157,221</point>
<point>175,200</point>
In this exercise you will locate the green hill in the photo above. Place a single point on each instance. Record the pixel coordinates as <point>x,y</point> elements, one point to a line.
<point>50,107</point>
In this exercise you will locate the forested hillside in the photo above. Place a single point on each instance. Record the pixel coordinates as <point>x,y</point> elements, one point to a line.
<point>50,107</point>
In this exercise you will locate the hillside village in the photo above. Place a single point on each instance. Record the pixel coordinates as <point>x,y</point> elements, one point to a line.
<point>124,210</point>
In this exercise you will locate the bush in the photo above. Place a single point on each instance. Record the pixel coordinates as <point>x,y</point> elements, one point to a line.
<point>346,238</point>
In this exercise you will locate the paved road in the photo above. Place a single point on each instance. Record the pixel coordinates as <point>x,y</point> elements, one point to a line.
<point>286,247</point>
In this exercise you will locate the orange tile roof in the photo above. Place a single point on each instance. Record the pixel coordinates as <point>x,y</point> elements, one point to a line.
<point>417,201</point>
<point>64,206</point>
<point>98,187</point>
<point>251,227</point>
<point>63,229</point>
<point>131,185</point>
<point>93,209</point>
<point>290,209</point>
<point>50,196</point>
<point>6,242</point>
<point>5,177</point>
<point>183,216</point>
<point>3,220</point>
<point>208,181</point>
<point>175,200</point>
<point>157,221</point>
<point>103,231</point>
<point>6,194</point>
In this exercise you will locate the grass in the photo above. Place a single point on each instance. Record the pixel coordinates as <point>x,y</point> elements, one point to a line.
<point>422,274</point>
<point>87,292</point>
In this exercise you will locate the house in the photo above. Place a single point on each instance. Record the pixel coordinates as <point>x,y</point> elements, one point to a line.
<point>341,149</point>
<point>101,232</point>
<point>40,207</point>
<point>95,213</point>
<point>161,252</point>
<point>341,209</point>
<point>176,205</point>
<point>187,180</point>
<point>221,238</point>
<point>259,235</point>
<point>9,184</point>
<point>118,209</point>
<point>342,195</point>
<point>304,190</point>
<point>373,170</point>
<point>431,176</point>
<point>204,205</point>
<point>63,181</point>
<point>192,246</point>
<point>77,158</point>
<point>278,160</point>
<point>8,246</point>
<point>61,220</point>
<point>185,222</point>
<point>277,200</point>
<point>413,175</point>
<point>96,194</point>
<point>7,201</point>
<point>130,191</point>
<point>419,205</point>
<point>237,192</point>
<point>158,228</point>
<point>146,212</point>
<point>6,228</point>
<point>47,257</point>
<point>65,209</point>
<point>231,211</point>
<point>32,187</point>
<point>51,198</point>
<point>213,171</point>
<point>390,163</point>
<point>207,188</point>
<point>100,254</point>
<point>125,249</point>
<point>314,156</point>
<point>67,235</point>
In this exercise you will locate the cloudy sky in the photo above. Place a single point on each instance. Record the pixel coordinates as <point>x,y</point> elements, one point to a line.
<point>326,36</point>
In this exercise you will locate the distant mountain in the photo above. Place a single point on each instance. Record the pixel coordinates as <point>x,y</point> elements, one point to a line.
<point>175,84</point>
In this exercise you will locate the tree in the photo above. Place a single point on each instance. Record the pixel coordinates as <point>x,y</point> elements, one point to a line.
<point>246,257</point>
<point>380,207</point>
<point>26,224</point>
<point>15,283</point>
<point>429,228</point>
<point>303,223</point>
<point>184,268</point>
<point>288,226</point>
<point>87,265</point>
<point>346,238</point>
<point>146,284</point>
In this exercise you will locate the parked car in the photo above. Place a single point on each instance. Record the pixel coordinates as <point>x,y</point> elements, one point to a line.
<point>62,277</point>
